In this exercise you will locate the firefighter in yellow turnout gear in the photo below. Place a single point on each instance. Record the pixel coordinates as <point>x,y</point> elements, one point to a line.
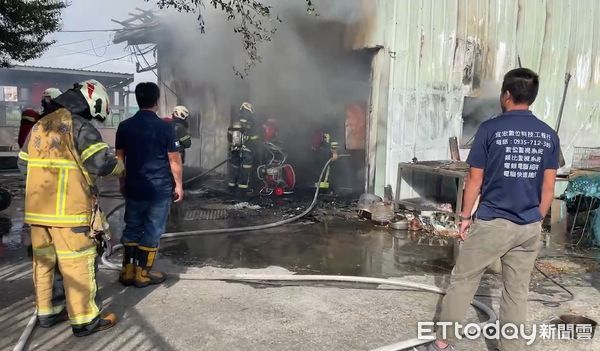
<point>63,155</point>
<point>324,148</point>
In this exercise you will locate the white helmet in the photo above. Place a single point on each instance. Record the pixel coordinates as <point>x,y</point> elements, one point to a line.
<point>97,98</point>
<point>247,106</point>
<point>181,112</point>
<point>51,93</point>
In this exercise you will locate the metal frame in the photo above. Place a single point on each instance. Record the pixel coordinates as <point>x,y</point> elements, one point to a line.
<point>436,170</point>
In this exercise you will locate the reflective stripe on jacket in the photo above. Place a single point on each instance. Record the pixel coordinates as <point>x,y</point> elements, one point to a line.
<point>57,193</point>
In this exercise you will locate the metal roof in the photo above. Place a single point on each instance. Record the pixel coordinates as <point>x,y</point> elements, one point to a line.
<point>60,70</point>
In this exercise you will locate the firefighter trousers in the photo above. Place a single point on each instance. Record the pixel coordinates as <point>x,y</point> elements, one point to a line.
<point>240,168</point>
<point>76,256</point>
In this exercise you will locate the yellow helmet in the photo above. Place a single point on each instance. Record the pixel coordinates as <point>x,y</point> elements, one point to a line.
<point>97,98</point>
<point>181,112</point>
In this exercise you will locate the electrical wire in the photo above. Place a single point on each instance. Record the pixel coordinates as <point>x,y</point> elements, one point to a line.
<point>105,48</point>
<point>103,30</point>
<point>88,30</point>
<point>109,60</point>
<point>83,52</point>
<point>71,43</point>
<point>152,70</point>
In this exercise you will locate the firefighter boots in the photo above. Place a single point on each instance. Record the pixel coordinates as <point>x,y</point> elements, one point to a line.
<point>128,270</point>
<point>144,262</point>
<point>104,322</point>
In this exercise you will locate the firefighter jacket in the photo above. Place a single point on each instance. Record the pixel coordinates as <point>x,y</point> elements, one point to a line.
<point>182,134</point>
<point>329,143</point>
<point>245,124</point>
<point>63,154</point>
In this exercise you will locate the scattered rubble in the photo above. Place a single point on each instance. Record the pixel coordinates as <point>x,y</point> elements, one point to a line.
<point>243,206</point>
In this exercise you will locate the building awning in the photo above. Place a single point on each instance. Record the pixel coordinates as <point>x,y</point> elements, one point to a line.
<point>61,77</point>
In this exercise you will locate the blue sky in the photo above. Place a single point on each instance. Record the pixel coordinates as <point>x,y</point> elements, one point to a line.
<point>78,50</point>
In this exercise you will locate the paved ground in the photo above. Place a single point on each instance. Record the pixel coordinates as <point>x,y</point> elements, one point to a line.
<point>213,315</point>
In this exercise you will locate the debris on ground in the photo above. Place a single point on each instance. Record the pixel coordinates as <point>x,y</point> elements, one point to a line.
<point>244,206</point>
<point>560,267</point>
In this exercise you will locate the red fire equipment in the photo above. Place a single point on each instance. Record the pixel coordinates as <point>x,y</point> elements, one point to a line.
<point>278,177</point>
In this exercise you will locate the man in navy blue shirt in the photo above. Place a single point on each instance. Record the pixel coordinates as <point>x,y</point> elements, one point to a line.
<point>513,164</point>
<point>153,179</point>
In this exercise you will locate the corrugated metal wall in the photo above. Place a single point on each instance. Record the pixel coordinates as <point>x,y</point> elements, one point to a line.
<point>436,52</point>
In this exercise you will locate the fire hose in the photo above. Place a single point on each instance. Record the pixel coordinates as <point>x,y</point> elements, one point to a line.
<point>406,344</point>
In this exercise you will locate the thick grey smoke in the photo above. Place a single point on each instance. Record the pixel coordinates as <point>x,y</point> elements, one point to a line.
<point>307,76</point>
<point>478,109</point>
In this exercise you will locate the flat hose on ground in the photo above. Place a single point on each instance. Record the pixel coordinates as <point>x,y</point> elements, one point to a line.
<point>27,332</point>
<point>406,344</point>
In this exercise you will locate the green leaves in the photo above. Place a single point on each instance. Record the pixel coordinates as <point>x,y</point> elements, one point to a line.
<point>23,26</point>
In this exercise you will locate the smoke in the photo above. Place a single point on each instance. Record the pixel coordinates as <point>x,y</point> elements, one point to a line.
<point>484,106</point>
<point>305,80</point>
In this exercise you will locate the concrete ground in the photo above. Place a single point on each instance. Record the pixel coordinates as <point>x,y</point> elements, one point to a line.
<point>216,315</point>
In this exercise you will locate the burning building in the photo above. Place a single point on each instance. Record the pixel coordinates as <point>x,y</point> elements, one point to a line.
<point>391,80</point>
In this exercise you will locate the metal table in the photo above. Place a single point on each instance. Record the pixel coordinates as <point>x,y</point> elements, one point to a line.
<point>423,185</point>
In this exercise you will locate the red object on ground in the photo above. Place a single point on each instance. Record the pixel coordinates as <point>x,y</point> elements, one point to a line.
<point>279,191</point>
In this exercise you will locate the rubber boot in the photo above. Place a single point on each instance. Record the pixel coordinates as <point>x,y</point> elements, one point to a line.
<point>144,262</point>
<point>104,322</point>
<point>128,270</point>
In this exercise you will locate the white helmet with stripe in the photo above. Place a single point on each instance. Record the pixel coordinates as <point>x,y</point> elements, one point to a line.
<point>51,93</point>
<point>97,98</point>
<point>181,112</point>
<point>247,106</point>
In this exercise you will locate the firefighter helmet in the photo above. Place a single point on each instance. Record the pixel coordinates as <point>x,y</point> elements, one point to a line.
<point>51,93</point>
<point>181,112</point>
<point>97,98</point>
<point>247,106</point>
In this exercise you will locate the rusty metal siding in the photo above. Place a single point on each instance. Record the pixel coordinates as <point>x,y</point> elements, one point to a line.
<point>440,51</point>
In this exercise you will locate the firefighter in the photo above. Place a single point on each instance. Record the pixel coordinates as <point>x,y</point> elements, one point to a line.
<point>47,98</point>
<point>63,155</point>
<point>179,120</point>
<point>270,131</point>
<point>28,119</point>
<point>324,148</point>
<point>242,138</point>
<point>30,116</point>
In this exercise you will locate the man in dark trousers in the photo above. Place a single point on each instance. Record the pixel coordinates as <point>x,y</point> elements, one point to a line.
<point>513,165</point>
<point>153,180</point>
